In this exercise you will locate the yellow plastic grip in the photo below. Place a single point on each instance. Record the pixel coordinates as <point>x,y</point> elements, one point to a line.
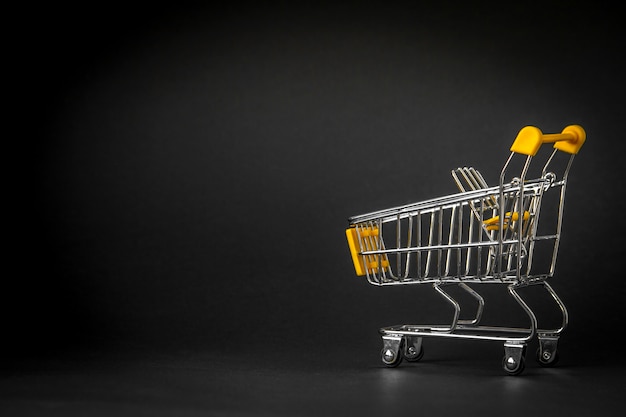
<point>357,259</point>
<point>530,139</point>
<point>494,222</point>
<point>360,262</point>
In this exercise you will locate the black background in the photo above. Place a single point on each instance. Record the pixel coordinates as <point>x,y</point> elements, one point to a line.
<point>186,172</point>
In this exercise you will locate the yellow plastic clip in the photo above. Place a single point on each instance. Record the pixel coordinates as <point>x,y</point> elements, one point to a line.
<point>530,139</point>
<point>494,222</point>
<point>369,238</point>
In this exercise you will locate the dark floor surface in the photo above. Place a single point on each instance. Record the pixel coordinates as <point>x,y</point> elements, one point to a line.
<point>453,378</point>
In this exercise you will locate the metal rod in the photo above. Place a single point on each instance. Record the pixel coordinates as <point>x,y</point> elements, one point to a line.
<point>481,304</point>
<point>455,305</point>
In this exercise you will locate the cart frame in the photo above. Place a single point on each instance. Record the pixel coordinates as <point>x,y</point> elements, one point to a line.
<point>481,235</point>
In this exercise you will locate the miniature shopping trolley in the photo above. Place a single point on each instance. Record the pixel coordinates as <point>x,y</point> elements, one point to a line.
<point>479,235</point>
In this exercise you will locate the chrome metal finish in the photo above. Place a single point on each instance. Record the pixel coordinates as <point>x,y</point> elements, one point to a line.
<point>480,235</point>
<point>391,354</point>
<point>547,348</point>
<point>513,362</point>
<point>413,348</point>
<point>455,305</point>
<point>481,305</point>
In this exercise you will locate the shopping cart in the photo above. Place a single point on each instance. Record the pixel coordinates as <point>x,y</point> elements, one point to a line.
<point>480,235</point>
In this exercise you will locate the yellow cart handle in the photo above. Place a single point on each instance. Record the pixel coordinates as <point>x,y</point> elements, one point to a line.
<point>530,139</point>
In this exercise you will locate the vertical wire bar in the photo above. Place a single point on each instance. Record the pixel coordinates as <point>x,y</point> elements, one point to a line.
<point>363,247</point>
<point>450,236</point>
<point>520,217</point>
<point>533,222</point>
<point>479,250</point>
<point>418,240</point>
<point>409,240</point>
<point>502,212</point>
<point>371,246</point>
<point>459,238</point>
<point>470,239</point>
<point>509,229</point>
<point>439,241</point>
<point>514,252</point>
<point>380,245</point>
<point>525,224</point>
<point>512,199</point>
<point>398,245</point>
<point>431,237</point>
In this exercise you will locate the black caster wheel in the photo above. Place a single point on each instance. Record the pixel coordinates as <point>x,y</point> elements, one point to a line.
<point>513,367</point>
<point>390,358</point>
<point>548,359</point>
<point>412,354</point>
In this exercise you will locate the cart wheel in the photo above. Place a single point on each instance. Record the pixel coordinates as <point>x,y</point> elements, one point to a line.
<point>413,354</point>
<point>391,358</point>
<point>513,367</point>
<point>548,359</point>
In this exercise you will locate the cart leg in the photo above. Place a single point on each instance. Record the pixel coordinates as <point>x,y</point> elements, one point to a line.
<point>547,353</point>
<point>455,305</point>
<point>413,348</point>
<point>513,362</point>
<point>481,305</point>
<point>561,305</point>
<point>391,354</point>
